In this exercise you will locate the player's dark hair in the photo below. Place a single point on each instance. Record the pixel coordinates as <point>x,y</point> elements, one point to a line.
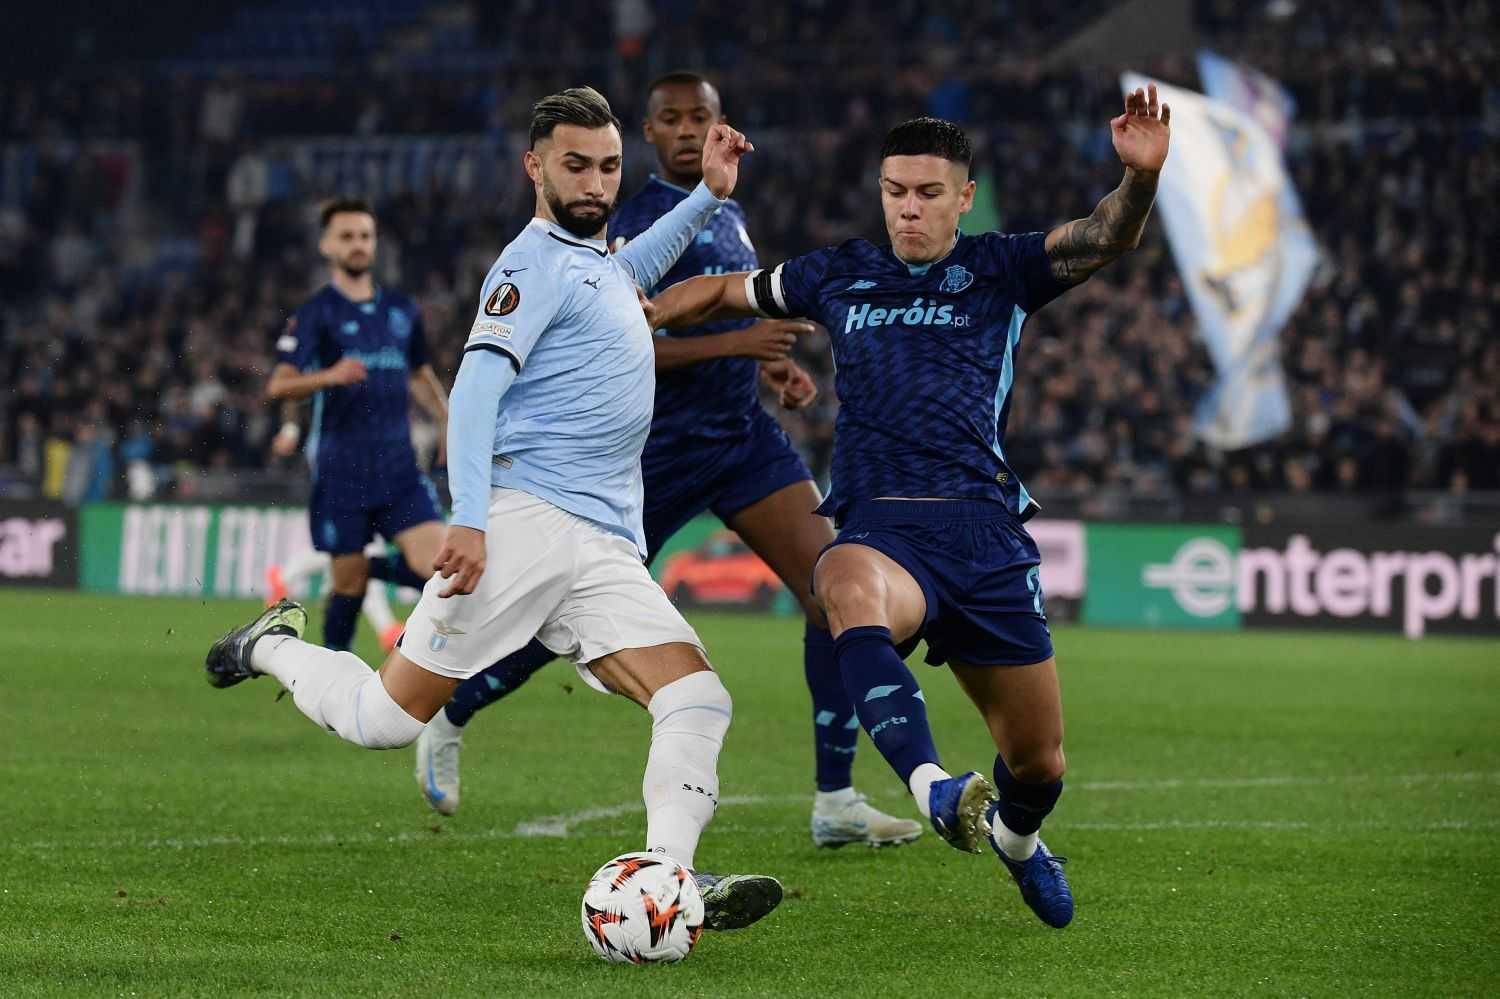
<point>340,205</point>
<point>683,76</point>
<point>582,106</point>
<point>928,137</point>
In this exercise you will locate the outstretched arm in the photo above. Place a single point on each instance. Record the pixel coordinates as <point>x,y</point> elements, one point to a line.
<point>1079,248</point>
<point>651,254</point>
<point>698,300</point>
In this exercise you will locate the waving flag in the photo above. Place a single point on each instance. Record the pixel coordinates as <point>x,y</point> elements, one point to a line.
<point>1245,254</point>
<point>1248,90</point>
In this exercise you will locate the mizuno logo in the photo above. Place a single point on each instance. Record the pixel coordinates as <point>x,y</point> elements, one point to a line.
<point>444,628</point>
<point>592,283</point>
<point>509,271</point>
<point>862,285</point>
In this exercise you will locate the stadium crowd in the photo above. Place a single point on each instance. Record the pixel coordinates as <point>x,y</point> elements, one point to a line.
<point>157,229</point>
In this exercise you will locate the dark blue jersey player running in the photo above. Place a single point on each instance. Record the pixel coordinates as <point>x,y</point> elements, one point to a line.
<point>360,352</point>
<point>712,448</point>
<point>931,545</point>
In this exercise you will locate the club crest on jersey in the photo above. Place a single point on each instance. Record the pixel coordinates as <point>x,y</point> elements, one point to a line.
<point>399,323</point>
<point>350,327</point>
<point>956,279</point>
<point>503,300</point>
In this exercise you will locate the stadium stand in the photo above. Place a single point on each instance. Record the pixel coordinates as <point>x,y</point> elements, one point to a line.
<point>156,222</point>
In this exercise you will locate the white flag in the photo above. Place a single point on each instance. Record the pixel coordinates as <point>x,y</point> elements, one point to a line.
<point>1248,90</point>
<point>1245,254</point>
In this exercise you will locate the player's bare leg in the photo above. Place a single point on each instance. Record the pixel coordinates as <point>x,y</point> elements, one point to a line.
<point>419,546</point>
<point>873,604</point>
<point>785,532</point>
<point>690,713</point>
<point>1022,706</point>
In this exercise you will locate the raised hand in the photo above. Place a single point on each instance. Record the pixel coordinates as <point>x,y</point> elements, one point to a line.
<point>721,159</point>
<point>1142,133</point>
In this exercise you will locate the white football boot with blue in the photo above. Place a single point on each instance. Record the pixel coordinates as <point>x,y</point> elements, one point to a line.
<point>845,816</point>
<point>438,749</point>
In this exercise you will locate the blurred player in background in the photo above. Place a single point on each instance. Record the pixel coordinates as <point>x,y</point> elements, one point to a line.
<point>712,447</point>
<point>361,353</point>
<point>931,543</point>
<point>552,405</point>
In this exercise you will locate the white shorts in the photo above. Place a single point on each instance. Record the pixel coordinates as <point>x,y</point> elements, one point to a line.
<point>550,575</point>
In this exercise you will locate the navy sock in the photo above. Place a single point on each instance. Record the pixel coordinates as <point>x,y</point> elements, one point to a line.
<point>1023,806</point>
<point>885,694</point>
<point>339,619</point>
<point>835,725</point>
<point>483,689</point>
<point>393,569</point>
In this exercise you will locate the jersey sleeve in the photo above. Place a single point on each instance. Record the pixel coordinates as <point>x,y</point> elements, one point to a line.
<point>1020,260</point>
<point>790,289</point>
<point>298,343</point>
<point>520,298</point>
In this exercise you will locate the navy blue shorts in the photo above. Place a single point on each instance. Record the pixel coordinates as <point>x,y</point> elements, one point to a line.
<point>978,569</point>
<point>344,518</point>
<point>719,476</point>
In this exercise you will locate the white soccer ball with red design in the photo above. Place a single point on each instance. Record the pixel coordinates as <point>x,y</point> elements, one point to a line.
<point>640,908</point>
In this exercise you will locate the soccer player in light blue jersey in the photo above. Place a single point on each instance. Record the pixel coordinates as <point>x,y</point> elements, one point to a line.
<point>550,411</point>
<point>712,447</point>
<point>932,544</point>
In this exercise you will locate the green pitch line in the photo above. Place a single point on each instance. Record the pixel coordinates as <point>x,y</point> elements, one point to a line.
<point>1250,814</point>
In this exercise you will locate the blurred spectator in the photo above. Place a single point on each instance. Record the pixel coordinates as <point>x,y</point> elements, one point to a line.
<point>135,334</point>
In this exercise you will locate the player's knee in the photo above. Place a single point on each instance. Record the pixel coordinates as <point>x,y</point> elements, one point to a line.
<point>1043,763</point>
<point>854,598</point>
<point>697,704</point>
<point>378,721</point>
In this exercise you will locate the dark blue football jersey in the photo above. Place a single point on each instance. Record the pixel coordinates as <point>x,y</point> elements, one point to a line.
<point>357,428</point>
<point>717,399</point>
<point>925,361</point>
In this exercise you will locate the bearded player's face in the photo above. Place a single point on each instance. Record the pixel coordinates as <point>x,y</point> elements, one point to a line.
<point>576,171</point>
<point>348,242</point>
<point>922,197</point>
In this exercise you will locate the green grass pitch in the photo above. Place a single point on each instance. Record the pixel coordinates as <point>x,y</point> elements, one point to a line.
<point>1248,814</point>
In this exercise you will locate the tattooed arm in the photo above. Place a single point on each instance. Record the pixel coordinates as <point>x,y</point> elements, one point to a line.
<point>1079,248</point>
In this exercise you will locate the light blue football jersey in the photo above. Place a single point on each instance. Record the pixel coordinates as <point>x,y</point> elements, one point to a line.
<point>571,427</point>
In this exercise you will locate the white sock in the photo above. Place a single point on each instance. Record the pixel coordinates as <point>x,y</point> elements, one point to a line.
<point>377,608</point>
<point>1012,844</point>
<point>303,566</point>
<point>921,782</point>
<point>337,691</point>
<point>689,718</point>
<point>833,800</point>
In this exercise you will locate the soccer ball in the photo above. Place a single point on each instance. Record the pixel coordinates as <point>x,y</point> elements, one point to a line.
<point>640,908</point>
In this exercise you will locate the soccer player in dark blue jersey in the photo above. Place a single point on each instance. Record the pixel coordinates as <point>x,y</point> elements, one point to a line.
<point>359,350</point>
<point>931,541</point>
<point>713,448</point>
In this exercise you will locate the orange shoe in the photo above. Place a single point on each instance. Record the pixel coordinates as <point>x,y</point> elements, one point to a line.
<point>275,585</point>
<point>389,636</point>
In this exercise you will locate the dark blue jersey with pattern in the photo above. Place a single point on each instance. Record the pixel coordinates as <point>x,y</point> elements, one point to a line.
<point>358,429</point>
<point>925,361</point>
<point>714,400</point>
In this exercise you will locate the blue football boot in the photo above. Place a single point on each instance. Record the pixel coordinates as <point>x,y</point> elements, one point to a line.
<point>957,806</point>
<point>1044,886</point>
